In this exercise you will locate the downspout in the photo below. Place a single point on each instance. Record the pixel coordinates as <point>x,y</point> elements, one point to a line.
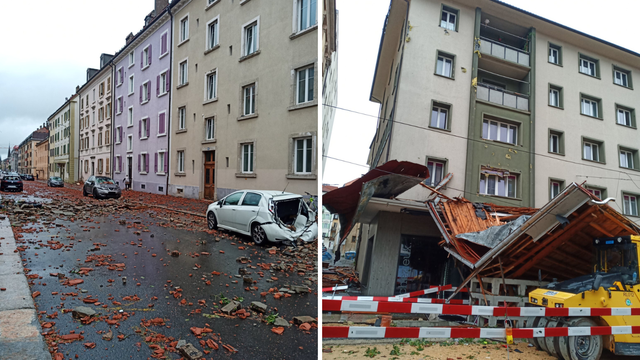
<point>168,119</point>
<point>112,143</point>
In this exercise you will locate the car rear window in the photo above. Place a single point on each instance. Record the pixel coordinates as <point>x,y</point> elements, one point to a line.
<point>251,199</point>
<point>12,178</point>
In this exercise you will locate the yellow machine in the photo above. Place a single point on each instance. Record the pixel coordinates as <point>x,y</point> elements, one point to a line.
<point>614,283</point>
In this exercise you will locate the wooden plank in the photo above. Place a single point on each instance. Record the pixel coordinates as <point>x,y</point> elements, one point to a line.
<point>601,229</point>
<point>435,191</point>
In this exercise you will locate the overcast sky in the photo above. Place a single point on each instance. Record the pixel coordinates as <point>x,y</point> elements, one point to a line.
<point>360,28</point>
<point>46,49</point>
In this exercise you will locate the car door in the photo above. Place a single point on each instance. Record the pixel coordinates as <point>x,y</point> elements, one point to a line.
<point>226,211</point>
<point>88,187</point>
<point>247,210</point>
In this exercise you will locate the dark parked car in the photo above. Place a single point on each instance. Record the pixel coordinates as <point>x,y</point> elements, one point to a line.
<point>11,182</point>
<point>101,187</point>
<point>29,177</point>
<point>55,181</point>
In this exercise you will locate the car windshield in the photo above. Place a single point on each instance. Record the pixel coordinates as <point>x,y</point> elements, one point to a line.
<point>56,178</point>
<point>104,180</point>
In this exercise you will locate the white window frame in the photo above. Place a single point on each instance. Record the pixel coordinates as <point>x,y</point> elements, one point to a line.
<point>161,162</point>
<point>252,95</point>
<point>555,188</point>
<point>145,57</point>
<point>439,110</point>
<point>130,116</point>
<point>554,53</point>
<point>554,96</point>
<point>590,105</point>
<point>446,24</point>
<point>210,131</point>
<point>163,82</point>
<point>132,58</point>
<point>143,130</point>
<point>484,191</point>
<point>116,166</point>
<point>557,143</point>
<point>626,159</point>
<point>630,204</point>
<point>622,75</point>
<point>143,162</point>
<point>443,60</point>
<point>307,161</point>
<point>118,83</point>
<point>183,76</point>
<point>145,91</point>
<point>182,118</point>
<point>300,26</point>
<point>130,143</point>
<point>215,22</point>
<point>214,74</point>
<point>309,84</point>
<point>589,149</point>
<point>433,180</point>
<point>251,147</point>
<point>119,105</point>
<point>585,67</point>
<point>499,124</point>
<point>180,159</point>
<point>626,115</point>
<point>183,31</point>
<point>132,84</point>
<point>166,123</point>
<point>255,23</point>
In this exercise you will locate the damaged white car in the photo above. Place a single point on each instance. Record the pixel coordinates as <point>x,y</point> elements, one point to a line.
<point>274,216</point>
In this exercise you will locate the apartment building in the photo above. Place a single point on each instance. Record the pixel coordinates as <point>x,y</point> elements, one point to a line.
<point>41,159</point>
<point>28,150</point>
<point>63,140</point>
<point>141,101</point>
<point>244,97</point>
<point>329,72</point>
<point>514,105</point>
<point>94,125</point>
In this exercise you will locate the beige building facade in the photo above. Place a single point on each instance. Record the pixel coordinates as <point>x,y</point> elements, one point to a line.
<point>63,140</point>
<point>41,160</point>
<point>94,125</point>
<point>244,103</point>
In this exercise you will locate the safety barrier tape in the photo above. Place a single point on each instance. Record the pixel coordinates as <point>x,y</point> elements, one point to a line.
<point>367,332</point>
<point>397,299</point>
<point>335,288</point>
<point>446,309</point>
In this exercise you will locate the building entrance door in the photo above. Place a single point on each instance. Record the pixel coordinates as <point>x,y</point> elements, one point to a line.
<point>209,174</point>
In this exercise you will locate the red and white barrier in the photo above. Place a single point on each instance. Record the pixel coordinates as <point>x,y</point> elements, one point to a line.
<point>470,333</point>
<point>335,288</point>
<point>396,299</point>
<point>446,309</point>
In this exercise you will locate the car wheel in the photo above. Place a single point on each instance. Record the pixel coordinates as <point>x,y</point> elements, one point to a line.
<point>95,194</point>
<point>84,192</point>
<point>212,222</point>
<point>258,234</point>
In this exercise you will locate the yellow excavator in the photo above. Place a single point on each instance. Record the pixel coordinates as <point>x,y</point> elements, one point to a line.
<point>613,284</point>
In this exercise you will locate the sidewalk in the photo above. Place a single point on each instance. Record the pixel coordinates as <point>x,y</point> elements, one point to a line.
<point>19,327</point>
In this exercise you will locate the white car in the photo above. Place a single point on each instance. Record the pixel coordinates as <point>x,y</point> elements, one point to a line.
<point>274,216</point>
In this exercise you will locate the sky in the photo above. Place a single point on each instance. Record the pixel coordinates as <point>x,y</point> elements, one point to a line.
<point>42,60</point>
<point>358,50</point>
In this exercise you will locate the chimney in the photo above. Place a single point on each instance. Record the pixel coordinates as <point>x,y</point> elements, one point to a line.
<point>77,88</point>
<point>160,6</point>
<point>129,38</point>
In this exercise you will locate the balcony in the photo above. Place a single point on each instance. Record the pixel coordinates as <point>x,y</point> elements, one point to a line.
<point>502,97</point>
<point>504,51</point>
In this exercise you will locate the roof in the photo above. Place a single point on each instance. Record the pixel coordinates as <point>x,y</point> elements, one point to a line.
<point>327,188</point>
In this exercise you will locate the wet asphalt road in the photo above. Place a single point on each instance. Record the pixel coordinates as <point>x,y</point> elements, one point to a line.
<point>251,337</point>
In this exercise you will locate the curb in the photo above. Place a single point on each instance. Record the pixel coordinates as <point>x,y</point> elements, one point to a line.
<point>20,332</point>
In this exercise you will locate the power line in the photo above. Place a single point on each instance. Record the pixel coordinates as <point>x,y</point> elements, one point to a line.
<point>482,141</point>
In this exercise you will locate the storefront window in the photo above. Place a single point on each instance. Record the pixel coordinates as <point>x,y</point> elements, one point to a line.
<point>421,264</point>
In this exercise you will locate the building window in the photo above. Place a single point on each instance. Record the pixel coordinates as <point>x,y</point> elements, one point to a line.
<point>163,83</point>
<point>436,172</point>
<point>590,106</point>
<point>184,73</point>
<point>146,57</point>
<point>101,89</point>
<point>212,34</point>
<point>144,96</point>
<point>184,28</point>
<point>130,116</point>
<point>629,158</point>
<point>593,150</point>
<point>181,161</point>
<point>131,85</point>
<point>247,158</point>
<point>449,18</point>
<point>589,66</point>
<point>107,137</point>
<point>108,111</point>
<point>306,14</point>
<point>250,38</point>
<point>555,96</point>
<point>303,157</point>
<point>498,183</point>
<point>249,99</point>
<point>555,186</point>
<point>120,80</point>
<point>498,131</point>
<point>621,77</point>
<point>160,162</point>
<point>129,143</point>
<point>119,106</point>
<point>209,129</point>
<point>444,65</point>
<point>630,204</point>
<point>211,92</point>
<point>625,116</point>
<point>143,164</point>
<point>600,193</point>
<point>555,54</point>
<point>164,43</point>
<point>182,118</point>
<point>440,116</point>
<point>305,85</point>
<point>556,142</point>
<point>132,59</point>
<point>144,128</point>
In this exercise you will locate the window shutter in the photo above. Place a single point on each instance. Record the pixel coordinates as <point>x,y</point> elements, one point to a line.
<point>120,134</point>
<point>138,162</point>
<point>158,85</point>
<point>155,164</point>
<point>141,59</point>
<point>146,163</point>
<point>164,43</point>
<point>140,93</point>
<point>161,124</point>
<point>149,91</point>
<point>120,163</point>
<point>148,127</point>
<point>150,54</point>
<point>166,162</point>
<point>139,128</point>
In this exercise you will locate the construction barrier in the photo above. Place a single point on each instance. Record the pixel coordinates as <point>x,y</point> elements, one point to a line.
<point>397,299</point>
<point>335,288</point>
<point>446,309</point>
<point>469,333</point>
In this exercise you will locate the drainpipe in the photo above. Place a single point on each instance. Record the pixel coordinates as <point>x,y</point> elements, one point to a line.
<point>113,89</point>
<point>168,119</point>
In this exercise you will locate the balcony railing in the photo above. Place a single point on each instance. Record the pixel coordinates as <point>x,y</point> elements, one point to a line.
<point>502,97</point>
<point>504,51</point>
